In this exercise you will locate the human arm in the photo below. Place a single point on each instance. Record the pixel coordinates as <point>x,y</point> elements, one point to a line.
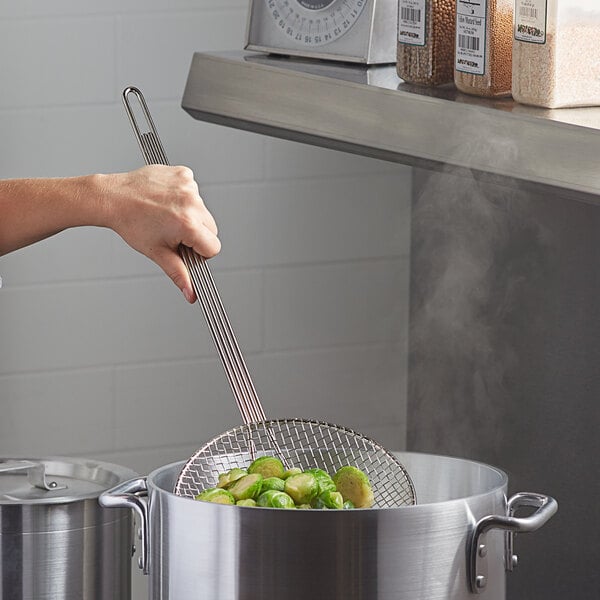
<point>154,209</point>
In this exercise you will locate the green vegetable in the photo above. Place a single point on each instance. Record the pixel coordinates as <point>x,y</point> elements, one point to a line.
<point>354,485</point>
<point>272,483</point>
<point>275,499</point>
<point>290,472</point>
<point>246,502</point>
<point>226,479</point>
<point>323,479</point>
<point>267,466</point>
<point>216,495</point>
<point>302,487</point>
<point>267,484</point>
<point>329,499</point>
<point>248,486</point>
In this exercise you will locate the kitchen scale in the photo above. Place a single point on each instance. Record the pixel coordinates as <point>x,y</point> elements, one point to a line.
<point>359,31</point>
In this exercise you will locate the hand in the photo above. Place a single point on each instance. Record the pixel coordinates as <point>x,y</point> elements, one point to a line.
<point>157,208</point>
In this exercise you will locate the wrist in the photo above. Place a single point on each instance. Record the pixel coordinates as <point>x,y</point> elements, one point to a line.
<point>97,199</point>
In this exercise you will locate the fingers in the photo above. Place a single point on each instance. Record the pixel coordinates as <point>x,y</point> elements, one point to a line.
<point>196,203</point>
<point>172,264</point>
<point>209,221</point>
<point>206,243</point>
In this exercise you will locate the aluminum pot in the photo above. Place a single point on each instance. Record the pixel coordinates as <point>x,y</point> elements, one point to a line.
<point>56,541</point>
<point>455,543</point>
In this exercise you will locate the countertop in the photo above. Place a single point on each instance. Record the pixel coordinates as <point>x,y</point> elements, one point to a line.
<point>370,111</point>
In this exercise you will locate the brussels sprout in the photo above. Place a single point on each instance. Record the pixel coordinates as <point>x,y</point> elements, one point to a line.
<point>348,505</point>
<point>272,483</point>
<point>246,502</point>
<point>267,466</point>
<point>290,472</point>
<point>216,495</point>
<point>329,499</point>
<point>275,499</point>
<point>302,487</point>
<point>304,506</point>
<point>226,479</point>
<point>354,485</point>
<point>247,487</point>
<point>323,479</point>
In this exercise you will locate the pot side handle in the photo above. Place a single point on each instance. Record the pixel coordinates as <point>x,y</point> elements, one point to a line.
<point>477,551</point>
<point>132,494</point>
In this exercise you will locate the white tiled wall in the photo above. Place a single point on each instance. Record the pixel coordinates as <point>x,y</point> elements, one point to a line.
<point>99,354</point>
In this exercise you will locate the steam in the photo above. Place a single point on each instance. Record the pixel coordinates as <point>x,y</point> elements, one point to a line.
<point>474,248</point>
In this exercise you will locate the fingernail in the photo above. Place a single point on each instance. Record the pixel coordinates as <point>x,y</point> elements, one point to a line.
<point>189,295</point>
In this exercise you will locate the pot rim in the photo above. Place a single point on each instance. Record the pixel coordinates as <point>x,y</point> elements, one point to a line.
<point>501,485</point>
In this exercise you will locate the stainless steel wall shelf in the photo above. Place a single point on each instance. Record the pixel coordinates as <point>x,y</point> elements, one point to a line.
<point>370,111</point>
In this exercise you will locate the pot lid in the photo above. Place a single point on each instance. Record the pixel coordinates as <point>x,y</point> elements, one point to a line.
<point>56,480</point>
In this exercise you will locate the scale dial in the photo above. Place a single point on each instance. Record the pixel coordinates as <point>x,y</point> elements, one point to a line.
<point>315,23</point>
<point>357,31</point>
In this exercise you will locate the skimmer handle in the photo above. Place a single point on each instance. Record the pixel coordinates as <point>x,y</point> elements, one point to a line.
<point>222,333</point>
<point>148,140</point>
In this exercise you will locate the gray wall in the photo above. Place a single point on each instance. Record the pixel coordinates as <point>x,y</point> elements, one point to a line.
<point>504,355</point>
<point>100,355</point>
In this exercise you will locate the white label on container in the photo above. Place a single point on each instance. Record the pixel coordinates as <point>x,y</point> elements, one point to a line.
<point>530,21</point>
<point>470,36</point>
<point>411,22</point>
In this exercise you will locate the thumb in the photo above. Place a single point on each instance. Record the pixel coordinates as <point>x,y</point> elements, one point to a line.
<point>172,264</point>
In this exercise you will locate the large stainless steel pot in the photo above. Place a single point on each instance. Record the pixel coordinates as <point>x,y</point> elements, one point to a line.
<point>56,541</point>
<point>451,546</point>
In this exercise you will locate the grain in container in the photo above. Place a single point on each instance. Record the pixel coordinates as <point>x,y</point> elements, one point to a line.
<point>56,541</point>
<point>483,54</point>
<point>556,53</point>
<point>426,33</point>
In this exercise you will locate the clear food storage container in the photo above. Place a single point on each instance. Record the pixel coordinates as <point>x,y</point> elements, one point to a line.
<point>556,53</point>
<point>426,32</point>
<point>483,62</point>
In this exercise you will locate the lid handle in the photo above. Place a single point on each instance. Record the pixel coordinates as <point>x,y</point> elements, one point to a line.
<point>36,473</point>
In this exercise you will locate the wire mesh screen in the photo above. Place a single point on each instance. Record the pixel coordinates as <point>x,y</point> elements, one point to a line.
<point>304,444</point>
